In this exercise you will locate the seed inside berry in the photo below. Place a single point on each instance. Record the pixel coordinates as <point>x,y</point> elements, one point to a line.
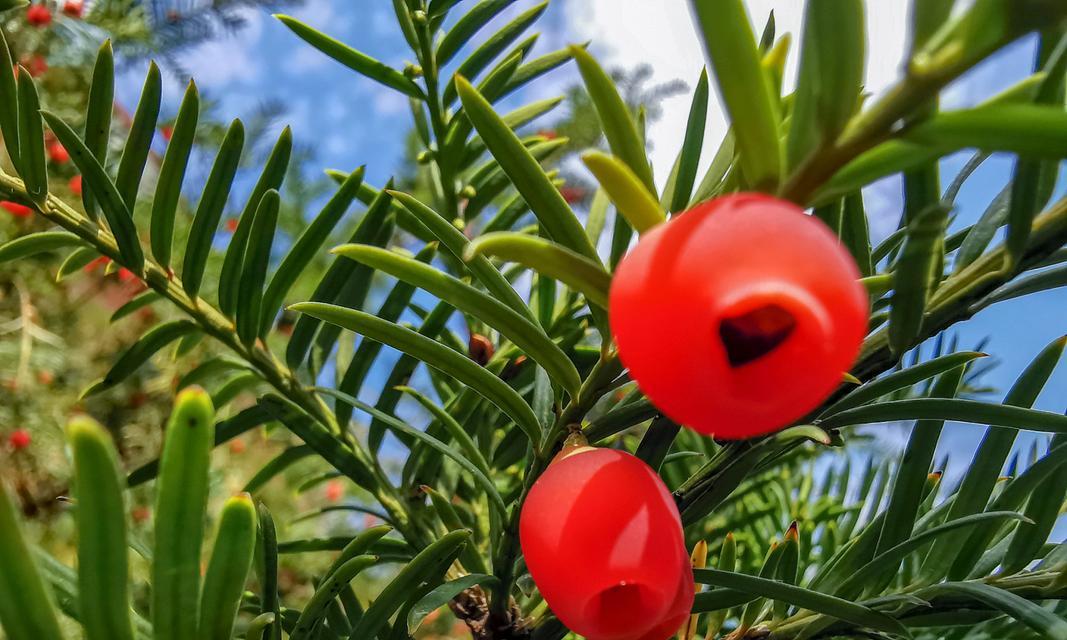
<point>754,334</point>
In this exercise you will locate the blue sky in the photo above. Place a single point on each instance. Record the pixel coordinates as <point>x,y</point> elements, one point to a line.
<point>353,121</point>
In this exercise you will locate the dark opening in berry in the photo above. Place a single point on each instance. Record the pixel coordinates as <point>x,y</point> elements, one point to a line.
<point>756,333</point>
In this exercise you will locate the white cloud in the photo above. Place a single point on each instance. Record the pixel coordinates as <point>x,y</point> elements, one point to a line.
<point>305,58</point>
<point>387,102</point>
<point>221,61</point>
<point>628,33</point>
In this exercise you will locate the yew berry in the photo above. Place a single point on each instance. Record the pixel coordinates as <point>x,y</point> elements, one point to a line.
<point>37,65</point>
<point>75,185</point>
<point>231,225</point>
<point>572,194</point>
<point>739,316</point>
<point>480,349</point>
<point>603,542</point>
<point>58,154</point>
<point>73,8</point>
<point>38,15</point>
<point>16,209</point>
<point>335,490</point>
<point>19,439</point>
<point>167,132</point>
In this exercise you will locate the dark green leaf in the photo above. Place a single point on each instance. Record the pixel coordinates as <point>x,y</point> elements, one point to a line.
<point>98,116</point>
<point>139,138</point>
<point>270,178</point>
<point>435,355</point>
<point>118,216</point>
<point>209,212</point>
<point>355,60</point>
<point>171,175</point>
<point>254,267</point>
<point>35,243</point>
<point>306,246</point>
<point>150,343</point>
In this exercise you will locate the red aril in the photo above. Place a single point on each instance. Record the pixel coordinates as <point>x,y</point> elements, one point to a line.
<point>602,539</point>
<point>738,316</point>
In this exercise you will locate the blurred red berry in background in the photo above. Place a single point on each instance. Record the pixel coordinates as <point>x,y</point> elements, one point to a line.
<point>37,65</point>
<point>38,15</point>
<point>73,8</point>
<point>19,439</point>
<point>58,154</point>
<point>75,185</point>
<point>572,194</point>
<point>16,209</point>
<point>335,490</point>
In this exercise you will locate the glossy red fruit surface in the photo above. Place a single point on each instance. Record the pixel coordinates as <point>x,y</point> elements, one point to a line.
<point>738,316</point>
<point>603,542</point>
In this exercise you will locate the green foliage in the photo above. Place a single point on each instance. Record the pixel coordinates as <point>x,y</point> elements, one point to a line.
<point>885,550</point>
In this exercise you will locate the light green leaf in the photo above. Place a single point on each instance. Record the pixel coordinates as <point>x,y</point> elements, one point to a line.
<point>632,199</point>
<point>548,258</point>
<point>745,89</point>
<point>525,172</point>
<point>626,142</point>
<point>181,500</point>
<point>103,571</point>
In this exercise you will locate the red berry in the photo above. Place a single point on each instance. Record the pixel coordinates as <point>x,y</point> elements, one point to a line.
<point>603,542</point>
<point>19,439</point>
<point>73,8</point>
<point>36,65</point>
<point>739,316</point>
<point>167,132</point>
<point>102,261</point>
<point>480,349</point>
<point>231,225</point>
<point>572,194</point>
<point>16,209</point>
<point>75,185</point>
<point>335,490</point>
<point>57,153</point>
<point>38,15</point>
